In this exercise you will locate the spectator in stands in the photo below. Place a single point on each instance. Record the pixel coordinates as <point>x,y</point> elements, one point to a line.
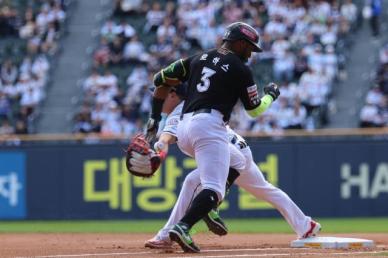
<point>40,66</point>
<point>26,65</point>
<point>28,28</point>
<point>313,90</point>
<point>49,39</point>
<point>375,96</point>
<point>382,78</point>
<point>232,12</point>
<point>349,11</point>
<point>58,14</point>
<point>125,30</point>
<point>44,18</point>
<point>298,115</point>
<point>9,72</point>
<point>139,75</point>
<point>128,7</point>
<point>6,127</point>
<point>167,29</point>
<point>116,51</point>
<point>5,106</point>
<point>330,62</point>
<point>266,46</point>
<point>82,123</point>
<point>376,7</point>
<point>383,54</point>
<point>91,83</point>
<point>8,21</point>
<point>161,51</point>
<point>135,52</point>
<point>20,127</point>
<point>283,66</point>
<point>102,54</point>
<point>276,28</point>
<point>30,99</point>
<point>329,37</point>
<point>370,116</point>
<point>154,17</point>
<point>109,30</point>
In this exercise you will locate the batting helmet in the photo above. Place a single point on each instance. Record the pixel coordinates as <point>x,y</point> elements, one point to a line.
<point>241,30</point>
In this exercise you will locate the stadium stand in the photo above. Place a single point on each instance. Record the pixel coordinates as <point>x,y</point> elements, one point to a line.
<point>29,42</point>
<point>375,111</point>
<point>304,42</point>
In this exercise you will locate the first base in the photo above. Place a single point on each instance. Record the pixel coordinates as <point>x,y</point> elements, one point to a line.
<point>332,242</point>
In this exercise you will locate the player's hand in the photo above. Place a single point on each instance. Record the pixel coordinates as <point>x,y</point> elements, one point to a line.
<point>273,90</point>
<point>161,148</point>
<point>151,129</point>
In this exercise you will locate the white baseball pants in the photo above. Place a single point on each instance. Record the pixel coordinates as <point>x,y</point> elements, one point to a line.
<point>204,137</point>
<point>252,180</point>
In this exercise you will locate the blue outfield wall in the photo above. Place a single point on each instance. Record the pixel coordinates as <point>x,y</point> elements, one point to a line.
<point>326,178</point>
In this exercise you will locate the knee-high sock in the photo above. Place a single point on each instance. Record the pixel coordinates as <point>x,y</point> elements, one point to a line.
<point>205,201</point>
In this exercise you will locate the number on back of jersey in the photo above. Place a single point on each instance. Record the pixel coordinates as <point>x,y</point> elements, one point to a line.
<point>205,82</point>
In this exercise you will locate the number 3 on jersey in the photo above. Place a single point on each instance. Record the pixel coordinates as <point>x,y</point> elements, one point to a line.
<point>205,82</point>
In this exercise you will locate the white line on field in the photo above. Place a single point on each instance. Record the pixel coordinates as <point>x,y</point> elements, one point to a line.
<point>134,253</point>
<point>281,254</point>
<point>86,255</point>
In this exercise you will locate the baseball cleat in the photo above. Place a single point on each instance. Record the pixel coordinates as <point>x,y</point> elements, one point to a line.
<point>180,234</point>
<point>158,243</point>
<point>315,227</point>
<point>215,223</point>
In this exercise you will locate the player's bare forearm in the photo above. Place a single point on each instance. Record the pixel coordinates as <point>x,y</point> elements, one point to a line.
<point>165,139</point>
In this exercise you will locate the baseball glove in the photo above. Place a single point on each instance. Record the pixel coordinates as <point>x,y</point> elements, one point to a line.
<point>141,160</point>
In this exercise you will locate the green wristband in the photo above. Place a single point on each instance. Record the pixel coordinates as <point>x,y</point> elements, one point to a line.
<point>265,102</point>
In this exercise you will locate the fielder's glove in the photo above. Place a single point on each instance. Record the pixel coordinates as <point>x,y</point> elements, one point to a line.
<point>273,90</point>
<point>141,160</point>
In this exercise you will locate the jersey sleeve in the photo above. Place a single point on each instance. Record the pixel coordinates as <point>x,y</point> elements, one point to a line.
<point>171,125</point>
<point>249,95</point>
<point>186,64</point>
<point>174,74</point>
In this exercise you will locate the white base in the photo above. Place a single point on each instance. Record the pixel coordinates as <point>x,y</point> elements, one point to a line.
<point>332,242</point>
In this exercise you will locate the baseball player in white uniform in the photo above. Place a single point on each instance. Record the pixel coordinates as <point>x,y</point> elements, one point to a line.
<point>250,179</point>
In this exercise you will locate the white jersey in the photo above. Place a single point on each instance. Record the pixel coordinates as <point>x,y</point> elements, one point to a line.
<point>172,120</point>
<point>171,127</point>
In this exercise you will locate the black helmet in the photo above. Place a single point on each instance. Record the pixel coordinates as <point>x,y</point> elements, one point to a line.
<point>241,30</point>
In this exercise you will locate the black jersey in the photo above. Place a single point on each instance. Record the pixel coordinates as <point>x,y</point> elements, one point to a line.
<point>217,79</point>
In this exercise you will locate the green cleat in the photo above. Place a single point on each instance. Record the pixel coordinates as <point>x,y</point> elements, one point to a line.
<point>180,234</point>
<point>215,223</point>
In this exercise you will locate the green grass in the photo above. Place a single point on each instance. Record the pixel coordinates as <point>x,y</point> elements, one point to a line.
<point>343,225</point>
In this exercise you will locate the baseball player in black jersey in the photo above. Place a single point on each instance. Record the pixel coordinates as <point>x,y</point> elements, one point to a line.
<point>216,80</point>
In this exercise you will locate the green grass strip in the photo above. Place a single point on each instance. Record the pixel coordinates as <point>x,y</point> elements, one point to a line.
<point>275,225</point>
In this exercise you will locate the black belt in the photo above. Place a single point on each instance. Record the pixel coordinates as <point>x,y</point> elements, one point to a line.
<point>199,111</point>
<point>202,110</point>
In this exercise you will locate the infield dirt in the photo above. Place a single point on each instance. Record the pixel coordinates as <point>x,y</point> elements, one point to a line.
<point>132,245</point>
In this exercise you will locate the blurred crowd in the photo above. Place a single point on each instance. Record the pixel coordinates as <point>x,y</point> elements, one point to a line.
<point>31,32</point>
<point>375,111</point>
<point>302,43</point>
